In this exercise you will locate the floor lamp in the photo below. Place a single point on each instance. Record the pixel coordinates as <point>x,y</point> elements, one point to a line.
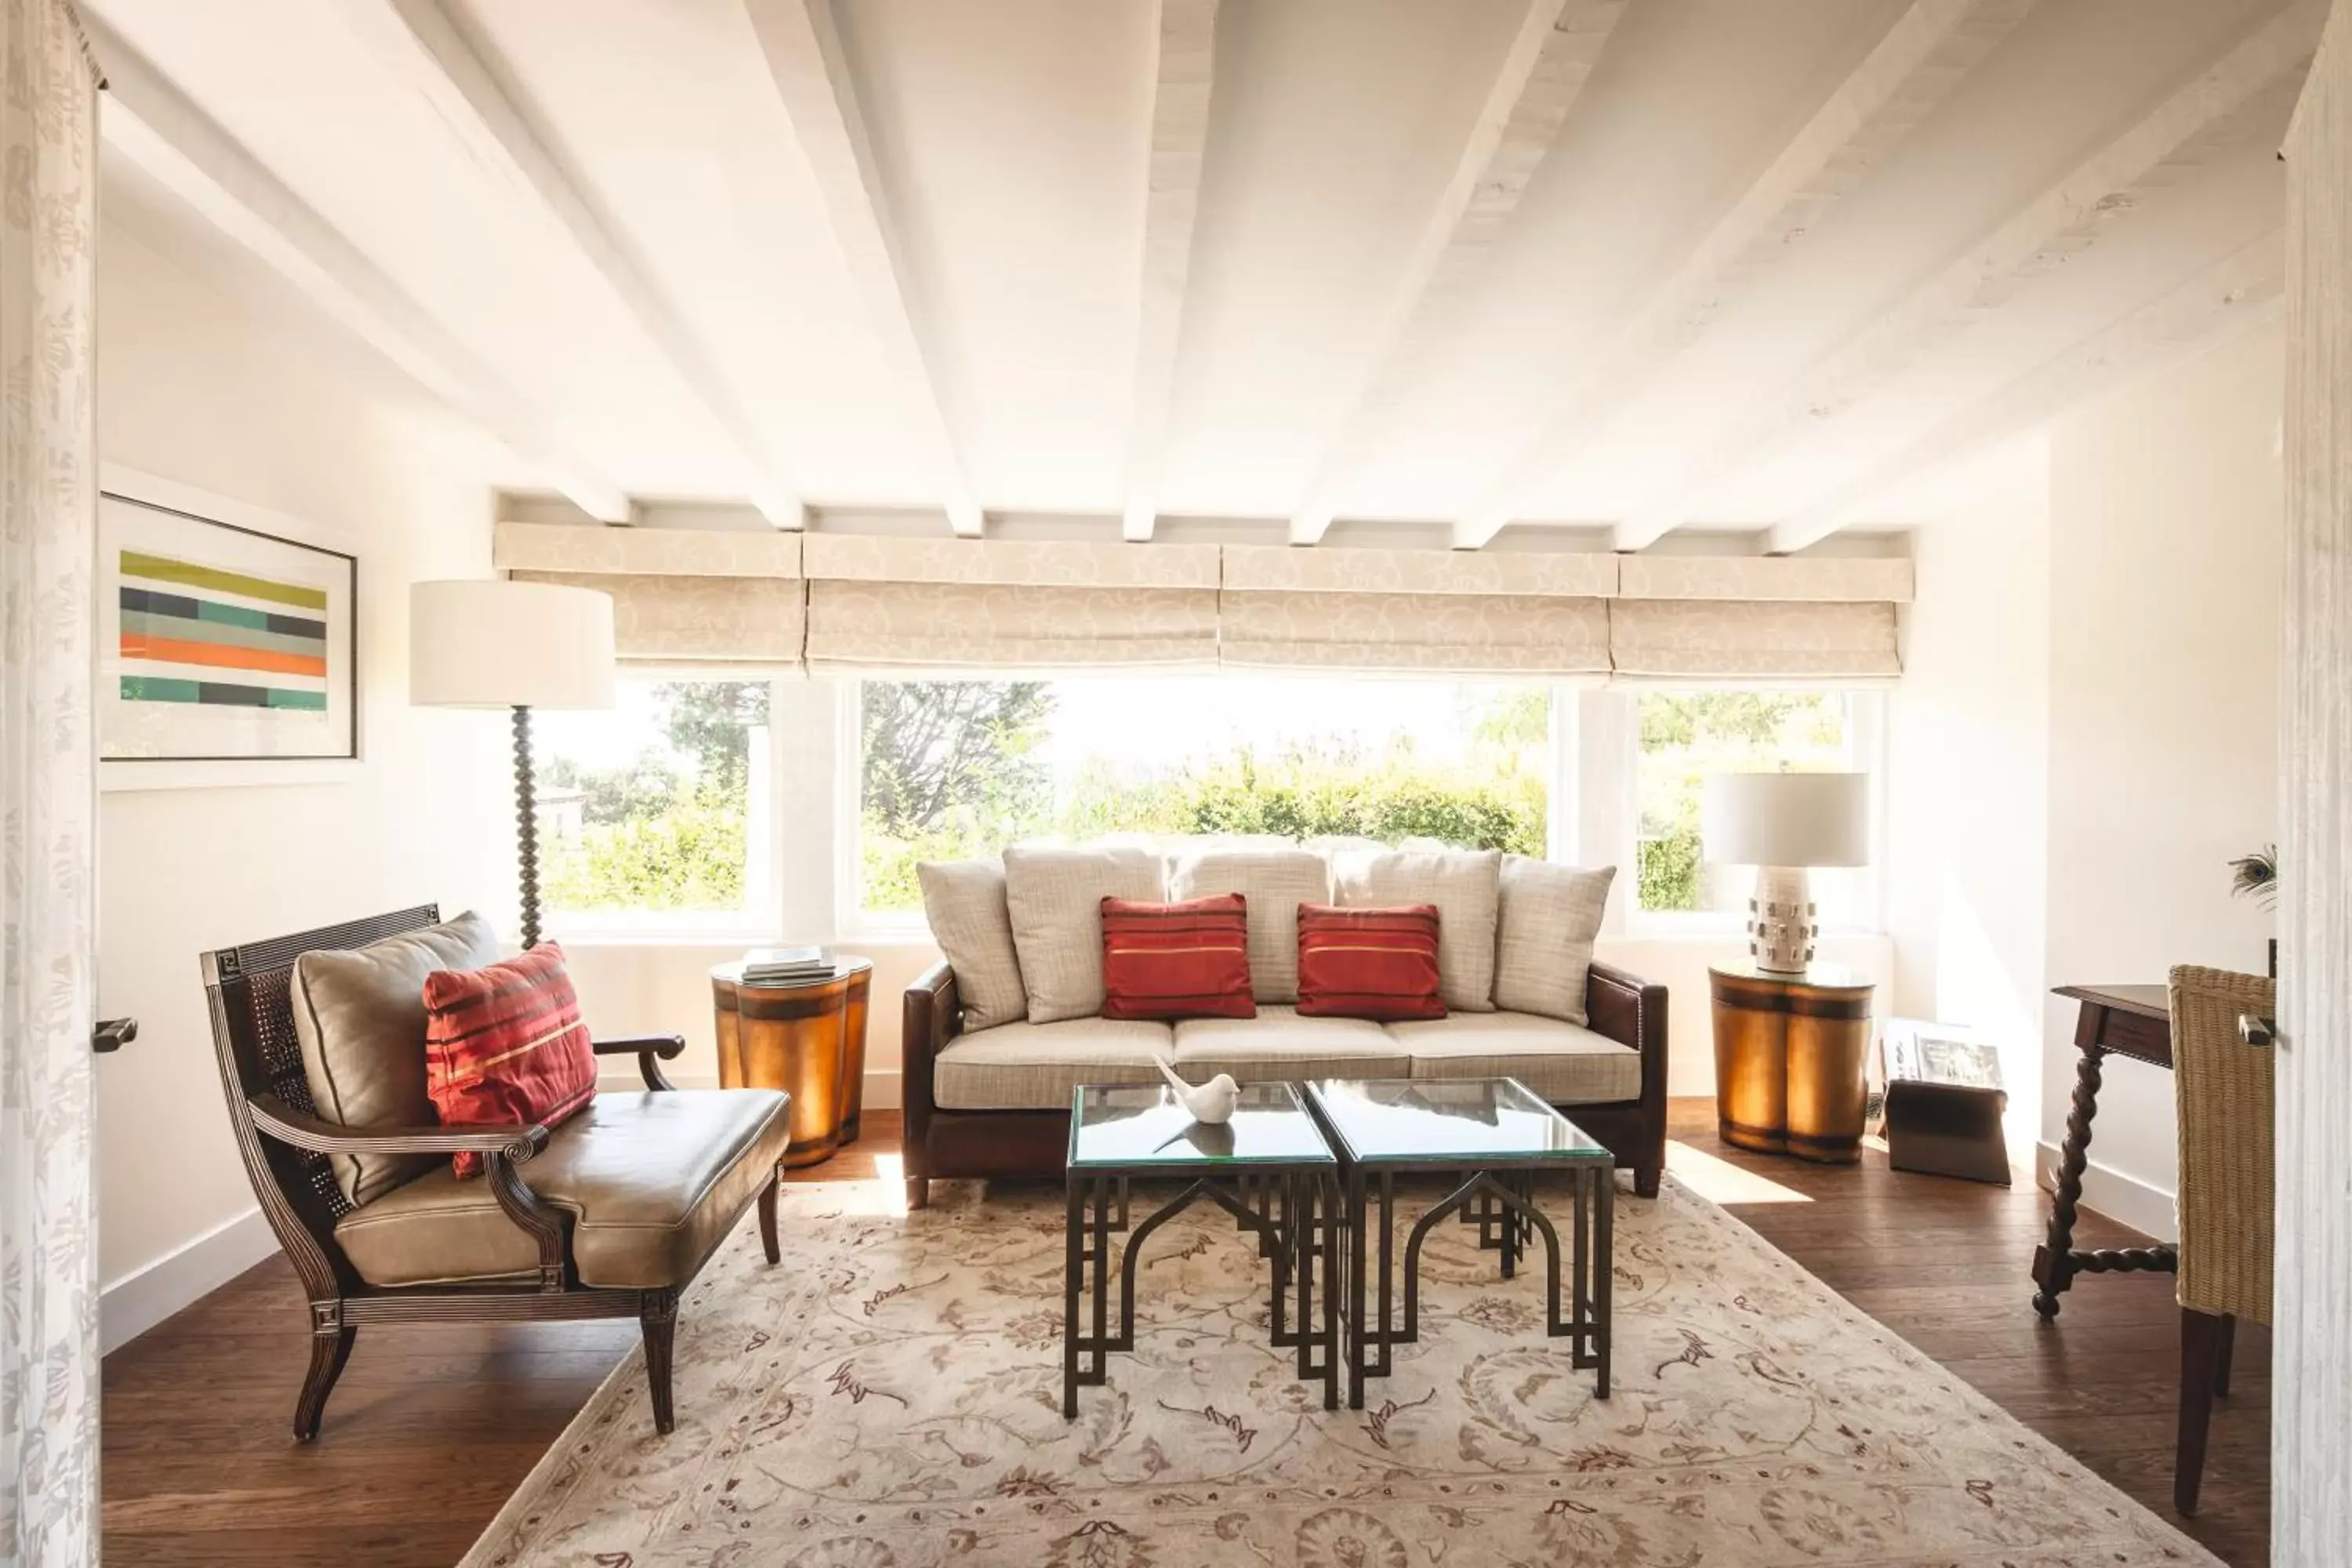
<point>499,644</point>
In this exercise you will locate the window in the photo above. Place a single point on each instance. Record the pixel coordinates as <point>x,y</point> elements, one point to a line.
<point>1682,737</point>
<point>656,815</point>
<point>952,769</point>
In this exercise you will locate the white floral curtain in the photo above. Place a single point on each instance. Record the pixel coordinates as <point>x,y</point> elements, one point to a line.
<point>48,523</point>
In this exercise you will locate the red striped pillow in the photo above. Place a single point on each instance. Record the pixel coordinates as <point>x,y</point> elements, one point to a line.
<point>1377,963</point>
<point>504,1046</point>
<point>1177,961</point>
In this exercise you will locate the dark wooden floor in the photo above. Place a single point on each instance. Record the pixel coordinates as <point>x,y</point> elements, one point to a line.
<point>433,1428</point>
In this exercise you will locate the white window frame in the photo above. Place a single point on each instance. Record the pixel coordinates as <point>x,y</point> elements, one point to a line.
<point>759,922</point>
<point>854,922</point>
<point>1621,781</point>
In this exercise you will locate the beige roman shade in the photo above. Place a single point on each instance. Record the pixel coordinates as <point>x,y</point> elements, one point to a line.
<point>1767,619</point>
<point>897,605</point>
<point>901,605</point>
<point>1431,612</point>
<point>679,596</point>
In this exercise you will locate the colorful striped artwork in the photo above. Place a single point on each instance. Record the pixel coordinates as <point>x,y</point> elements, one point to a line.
<point>198,634</point>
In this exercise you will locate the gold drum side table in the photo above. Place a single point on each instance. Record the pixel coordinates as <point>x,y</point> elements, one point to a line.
<point>1789,1050</point>
<point>807,1038</point>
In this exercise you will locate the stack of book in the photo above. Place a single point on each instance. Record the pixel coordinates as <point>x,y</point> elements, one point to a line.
<point>786,965</point>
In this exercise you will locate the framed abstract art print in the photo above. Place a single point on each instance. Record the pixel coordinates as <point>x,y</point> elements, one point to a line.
<point>223,641</point>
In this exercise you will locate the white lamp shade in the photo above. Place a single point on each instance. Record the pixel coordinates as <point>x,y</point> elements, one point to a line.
<point>495,643</point>
<point>1787,819</point>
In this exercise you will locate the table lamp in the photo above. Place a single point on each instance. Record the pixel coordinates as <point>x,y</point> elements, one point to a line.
<point>499,644</point>
<point>1784,825</point>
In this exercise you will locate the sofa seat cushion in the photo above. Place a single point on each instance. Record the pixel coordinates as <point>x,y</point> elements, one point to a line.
<point>654,1183</point>
<point>1568,1065</point>
<point>1034,1067</point>
<point>1279,1046</point>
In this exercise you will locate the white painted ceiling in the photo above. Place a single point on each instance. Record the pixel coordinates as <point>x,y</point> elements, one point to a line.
<point>1642,265</point>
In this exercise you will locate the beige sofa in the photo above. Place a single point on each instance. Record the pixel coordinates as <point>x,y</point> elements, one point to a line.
<point>998,1034</point>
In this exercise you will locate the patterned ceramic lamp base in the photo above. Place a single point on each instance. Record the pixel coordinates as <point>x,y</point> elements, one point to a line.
<point>1780,920</point>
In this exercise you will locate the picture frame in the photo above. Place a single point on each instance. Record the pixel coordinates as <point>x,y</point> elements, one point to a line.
<point>228,642</point>
<point>1918,1051</point>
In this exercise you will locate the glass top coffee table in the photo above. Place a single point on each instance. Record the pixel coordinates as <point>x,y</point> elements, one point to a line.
<point>1502,1136</point>
<point>1268,1167</point>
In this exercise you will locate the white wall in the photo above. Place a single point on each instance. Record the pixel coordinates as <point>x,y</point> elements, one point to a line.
<point>2165,550</point>
<point>1968,772</point>
<point>196,388</point>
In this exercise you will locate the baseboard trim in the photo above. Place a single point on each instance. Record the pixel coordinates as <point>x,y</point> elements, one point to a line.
<point>145,1297</point>
<point>2145,1207</point>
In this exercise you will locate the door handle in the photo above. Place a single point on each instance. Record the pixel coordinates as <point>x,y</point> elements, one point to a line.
<point>2257,1030</point>
<point>113,1034</point>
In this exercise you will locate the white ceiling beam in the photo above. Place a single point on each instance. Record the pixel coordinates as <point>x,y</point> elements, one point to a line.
<point>2225,298</point>
<point>1551,57</point>
<point>1183,79</point>
<point>156,126</point>
<point>426,53</point>
<point>812,75</point>
<point>2207,117</point>
<point>1910,70</point>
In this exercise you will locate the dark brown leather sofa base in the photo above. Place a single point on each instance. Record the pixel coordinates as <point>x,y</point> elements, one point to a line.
<point>942,1144</point>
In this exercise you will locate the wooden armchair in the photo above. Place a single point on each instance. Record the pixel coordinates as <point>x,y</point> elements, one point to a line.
<point>2224,1092</point>
<point>610,1215</point>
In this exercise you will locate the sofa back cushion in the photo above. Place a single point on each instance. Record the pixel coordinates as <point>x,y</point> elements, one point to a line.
<point>1274,882</point>
<point>1185,960</point>
<point>1054,897</point>
<point>1376,963</point>
<point>1463,885</point>
<point>505,1046</point>
<point>1547,918</point>
<point>359,1018</point>
<point>964,902</point>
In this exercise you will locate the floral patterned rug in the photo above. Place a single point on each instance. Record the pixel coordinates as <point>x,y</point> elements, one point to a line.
<point>890,1397</point>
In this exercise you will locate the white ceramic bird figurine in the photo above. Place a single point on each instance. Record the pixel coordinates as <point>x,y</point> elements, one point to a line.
<point>1212,1104</point>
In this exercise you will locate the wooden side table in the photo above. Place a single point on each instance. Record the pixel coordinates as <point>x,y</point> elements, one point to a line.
<point>808,1039</point>
<point>1789,1056</point>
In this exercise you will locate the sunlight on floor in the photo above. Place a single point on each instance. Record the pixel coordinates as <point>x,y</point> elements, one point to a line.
<point>1722,1182</point>
<point>886,1192</point>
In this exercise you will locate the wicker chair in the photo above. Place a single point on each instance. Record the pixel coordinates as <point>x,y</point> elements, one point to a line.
<point>286,1145</point>
<point>2222,1083</point>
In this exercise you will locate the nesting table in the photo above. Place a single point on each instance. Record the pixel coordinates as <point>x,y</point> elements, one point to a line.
<point>1499,1136</point>
<point>1310,1171</point>
<point>1268,1167</point>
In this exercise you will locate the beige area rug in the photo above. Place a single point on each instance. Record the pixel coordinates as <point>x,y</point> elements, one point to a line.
<point>890,1398</point>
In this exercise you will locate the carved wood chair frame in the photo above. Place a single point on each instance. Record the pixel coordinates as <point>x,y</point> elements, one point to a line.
<point>286,1145</point>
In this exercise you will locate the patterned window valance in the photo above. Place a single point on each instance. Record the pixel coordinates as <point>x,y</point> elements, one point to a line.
<point>1428,634</point>
<point>1752,640</point>
<point>1008,563</point>
<point>671,619</point>
<point>849,602</point>
<point>959,626</point>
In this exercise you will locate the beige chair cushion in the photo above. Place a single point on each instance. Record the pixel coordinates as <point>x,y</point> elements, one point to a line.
<point>1547,918</point>
<point>359,1018</point>
<point>1274,883</point>
<point>654,1183</point>
<point>1055,897</point>
<point>964,902</point>
<point>1464,885</point>
<point>1567,1064</point>
<point>1279,1046</point>
<point>1034,1067</point>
